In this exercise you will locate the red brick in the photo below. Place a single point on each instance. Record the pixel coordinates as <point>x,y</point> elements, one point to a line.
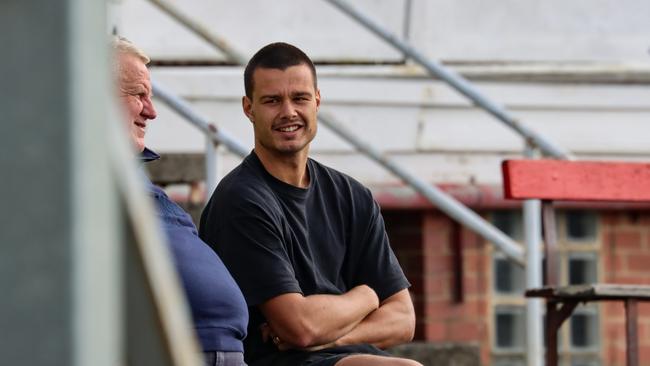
<point>628,240</point>
<point>615,356</point>
<point>444,279</point>
<point>610,218</point>
<point>434,221</point>
<point>475,309</point>
<point>471,241</point>
<point>613,309</point>
<point>644,335</point>
<point>465,332</point>
<point>435,332</point>
<point>437,243</point>
<point>438,310</point>
<point>626,278</point>
<point>644,355</point>
<point>437,263</point>
<point>644,311</point>
<point>476,285</point>
<point>613,262</point>
<point>475,262</point>
<point>449,311</point>
<point>436,287</point>
<point>638,262</point>
<point>614,330</point>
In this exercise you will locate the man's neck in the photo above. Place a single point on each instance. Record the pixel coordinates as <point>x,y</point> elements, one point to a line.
<point>289,168</point>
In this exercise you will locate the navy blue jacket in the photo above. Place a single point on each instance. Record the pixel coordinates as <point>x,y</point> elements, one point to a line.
<point>218,307</point>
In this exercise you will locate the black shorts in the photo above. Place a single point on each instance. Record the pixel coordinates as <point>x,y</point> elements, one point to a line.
<point>324,357</point>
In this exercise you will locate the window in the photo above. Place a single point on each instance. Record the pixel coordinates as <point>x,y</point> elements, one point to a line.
<point>584,328</point>
<point>581,225</point>
<point>510,328</point>
<point>509,361</point>
<point>509,278</point>
<point>510,222</point>
<point>578,245</point>
<point>580,361</point>
<point>582,269</point>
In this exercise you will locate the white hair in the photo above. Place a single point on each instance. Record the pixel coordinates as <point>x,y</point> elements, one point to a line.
<point>124,46</point>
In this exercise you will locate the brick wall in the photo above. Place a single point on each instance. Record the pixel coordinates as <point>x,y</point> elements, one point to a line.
<point>625,258</point>
<point>452,311</point>
<point>450,293</point>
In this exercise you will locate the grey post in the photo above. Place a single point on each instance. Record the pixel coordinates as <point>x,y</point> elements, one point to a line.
<point>532,211</point>
<point>59,243</point>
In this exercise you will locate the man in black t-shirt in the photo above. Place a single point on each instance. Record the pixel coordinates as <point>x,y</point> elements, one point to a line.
<point>305,243</point>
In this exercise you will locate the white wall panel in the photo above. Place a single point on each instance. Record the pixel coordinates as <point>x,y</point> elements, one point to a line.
<point>532,29</point>
<point>468,30</point>
<point>171,133</point>
<point>314,25</point>
<point>338,85</point>
<point>408,115</point>
<point>614,131</point>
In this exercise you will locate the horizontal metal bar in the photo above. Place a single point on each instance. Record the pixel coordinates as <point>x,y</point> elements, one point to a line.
<point>183,108</point>
<point>440,199</point>
<point>202,31</point>
<point>457,82</point>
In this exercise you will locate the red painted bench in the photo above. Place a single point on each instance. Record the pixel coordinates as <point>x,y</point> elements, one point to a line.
<point>552,180</point>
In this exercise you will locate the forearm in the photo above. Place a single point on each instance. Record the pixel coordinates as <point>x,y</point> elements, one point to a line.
<point>391,324</point>
<point>318,319</point>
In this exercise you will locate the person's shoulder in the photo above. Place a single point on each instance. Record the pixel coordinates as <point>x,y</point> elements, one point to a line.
<point>243,184</point>
<point>338,178</point>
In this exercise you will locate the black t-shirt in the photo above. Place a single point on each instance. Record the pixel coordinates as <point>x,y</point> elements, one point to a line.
<point>276,238</point>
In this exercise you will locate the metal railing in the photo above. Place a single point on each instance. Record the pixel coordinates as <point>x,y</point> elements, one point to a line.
<point>214,136</point>
<point>440,199</point>
<point>457,82</point>
<point>201,31</point>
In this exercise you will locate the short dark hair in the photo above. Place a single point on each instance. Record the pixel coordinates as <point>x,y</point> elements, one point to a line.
<point>277,55</point>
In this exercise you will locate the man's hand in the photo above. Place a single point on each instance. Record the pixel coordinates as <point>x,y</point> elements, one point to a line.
<point>317,320</point>
<point>269,335</point>
<point>391,324</point>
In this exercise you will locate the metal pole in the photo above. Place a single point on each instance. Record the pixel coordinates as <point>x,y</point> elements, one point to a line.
<point>184,109</point>
<point>532,237</point>
<point>201,31</point>
<point>457,82</point>
<point>210,166</point>
<point>443,201</point>
<point>632,332</point>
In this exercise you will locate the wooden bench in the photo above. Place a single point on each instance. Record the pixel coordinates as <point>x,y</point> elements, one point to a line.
<point>552,180</point>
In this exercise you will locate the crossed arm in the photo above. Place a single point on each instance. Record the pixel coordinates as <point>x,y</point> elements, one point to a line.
<point>355,317</point>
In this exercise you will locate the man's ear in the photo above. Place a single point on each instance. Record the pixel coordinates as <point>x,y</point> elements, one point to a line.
<point>247,107</point>
<point>317,98</point>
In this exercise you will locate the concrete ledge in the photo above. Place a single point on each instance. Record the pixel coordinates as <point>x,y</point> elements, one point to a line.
<point>177,169</point>
<point>439,354</point>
